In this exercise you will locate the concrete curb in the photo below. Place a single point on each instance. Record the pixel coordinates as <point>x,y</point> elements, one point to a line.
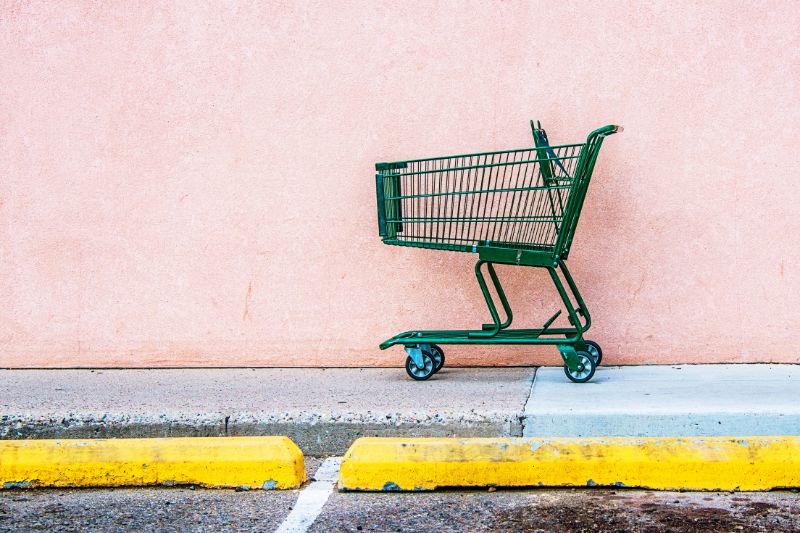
<point>233,462</point>
<point>323,437</point>
<point>668,463</point>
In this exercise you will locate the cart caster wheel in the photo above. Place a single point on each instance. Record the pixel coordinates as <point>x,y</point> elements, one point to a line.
<point>421,374</point>
<point>585,370</point>
<point>438,357</point>
<point>595,352</point>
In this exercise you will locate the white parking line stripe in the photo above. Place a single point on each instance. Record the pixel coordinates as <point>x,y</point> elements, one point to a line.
<point>312,498</point>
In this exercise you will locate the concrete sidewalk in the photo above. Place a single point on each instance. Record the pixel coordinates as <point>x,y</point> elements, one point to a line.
<point>663,401</point>
<point>324,410</point>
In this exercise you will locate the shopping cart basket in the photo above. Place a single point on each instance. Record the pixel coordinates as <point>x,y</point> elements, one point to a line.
<point>513,207</point>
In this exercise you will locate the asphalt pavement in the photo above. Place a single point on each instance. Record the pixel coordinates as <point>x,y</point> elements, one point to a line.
<point>183,509</point>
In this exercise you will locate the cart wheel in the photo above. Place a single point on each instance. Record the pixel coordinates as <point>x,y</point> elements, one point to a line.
<point>595,352</point>
<point>438,357</point>
<point>421,374</point>
<point>585,370</point>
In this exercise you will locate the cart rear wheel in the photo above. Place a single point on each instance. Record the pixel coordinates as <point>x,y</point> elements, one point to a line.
<point>595,352</point>
<point>438,357</point>
<point>421,373</point>
<point>585,370</point>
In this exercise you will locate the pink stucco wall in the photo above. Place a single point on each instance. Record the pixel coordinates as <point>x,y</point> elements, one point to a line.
<point>192,184</point>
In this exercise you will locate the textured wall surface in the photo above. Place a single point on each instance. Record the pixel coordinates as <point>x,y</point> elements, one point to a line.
<point>193,184</point>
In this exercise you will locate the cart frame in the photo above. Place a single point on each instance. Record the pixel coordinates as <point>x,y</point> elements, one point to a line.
<point>580,356</point>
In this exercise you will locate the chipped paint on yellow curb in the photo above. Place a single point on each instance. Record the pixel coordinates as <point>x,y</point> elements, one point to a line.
<point>248,462</point>
<point>691,463</point>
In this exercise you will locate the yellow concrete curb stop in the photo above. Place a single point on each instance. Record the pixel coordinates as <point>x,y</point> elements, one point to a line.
<point>236,462</point>
<point>675,463</point>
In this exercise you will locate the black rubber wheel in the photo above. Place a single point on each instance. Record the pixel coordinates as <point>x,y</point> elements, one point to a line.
<point>421,374</point>
<point>595,352</point>
<point>438,357</point>
<point>585,370</point>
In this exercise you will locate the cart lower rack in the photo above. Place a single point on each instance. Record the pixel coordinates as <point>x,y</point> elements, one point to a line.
<point>512,207</point>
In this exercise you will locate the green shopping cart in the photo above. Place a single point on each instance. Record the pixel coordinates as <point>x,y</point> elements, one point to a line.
<point>512,207</point>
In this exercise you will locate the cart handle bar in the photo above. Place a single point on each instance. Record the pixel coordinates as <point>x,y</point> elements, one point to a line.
<point>611,129</point>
